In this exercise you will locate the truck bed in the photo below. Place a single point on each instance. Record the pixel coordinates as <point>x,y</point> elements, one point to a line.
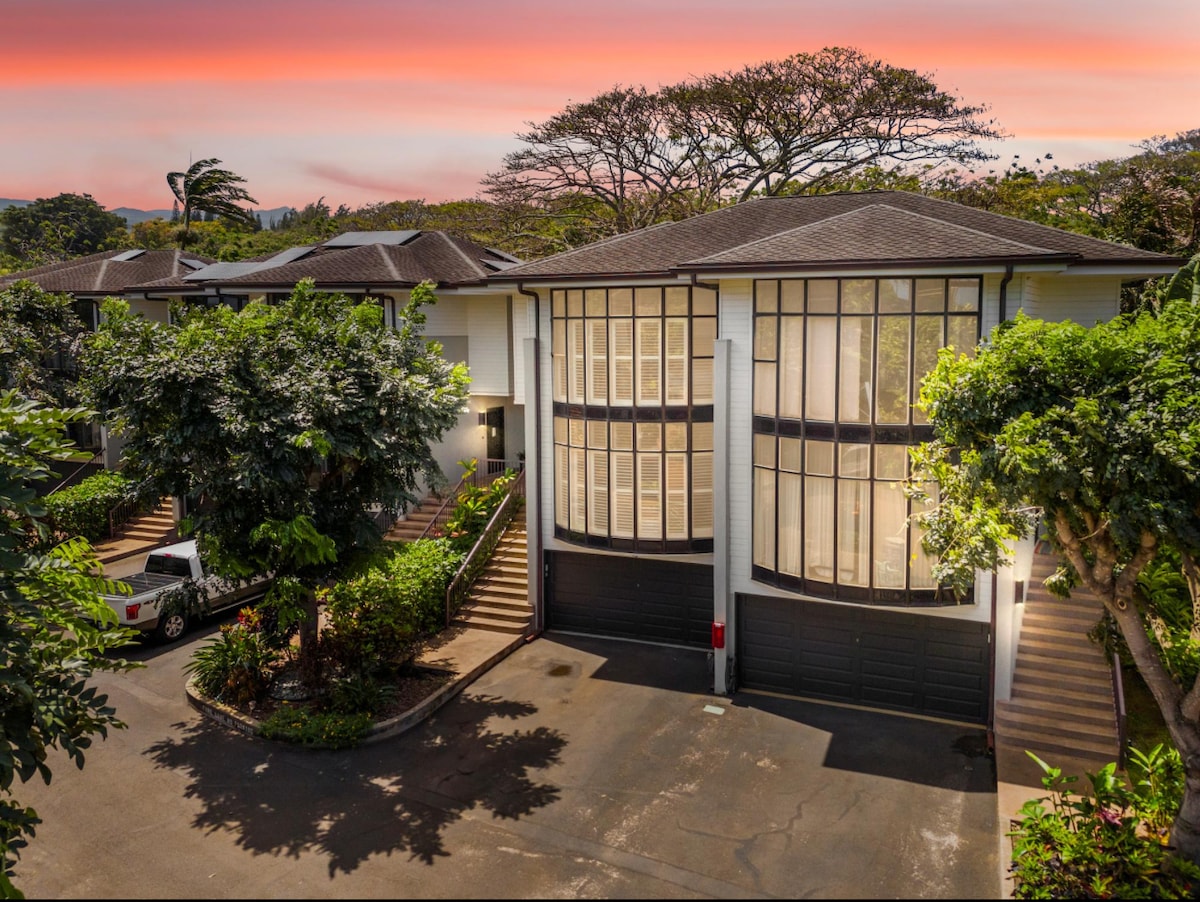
<point>141,583</point>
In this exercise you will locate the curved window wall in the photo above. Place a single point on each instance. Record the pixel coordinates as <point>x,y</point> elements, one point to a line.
<point>633,395</point>
<point>837,368</point>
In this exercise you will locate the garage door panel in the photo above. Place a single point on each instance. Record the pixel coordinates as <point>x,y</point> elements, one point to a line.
<point>644,599</point>
<point>886,659</point>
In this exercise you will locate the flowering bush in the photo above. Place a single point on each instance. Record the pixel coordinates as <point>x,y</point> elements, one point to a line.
<point>235,666</point>
<point>1111,843</point>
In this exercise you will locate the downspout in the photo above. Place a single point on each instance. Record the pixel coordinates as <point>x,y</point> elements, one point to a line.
<point>539,611</point>
<point>1008,274</point>
<point>991,714</point>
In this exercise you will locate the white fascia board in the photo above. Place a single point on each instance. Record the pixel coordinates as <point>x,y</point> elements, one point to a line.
<point>598,282</point>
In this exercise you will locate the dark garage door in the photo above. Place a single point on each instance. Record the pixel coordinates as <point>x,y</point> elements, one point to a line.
<point>629,598</point>
<point>878,659</point>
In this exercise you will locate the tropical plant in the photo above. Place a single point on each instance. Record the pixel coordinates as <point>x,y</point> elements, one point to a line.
<point>236,666</point>
<point>206,188</point>
<point>1094,430</point>
<point>82,509</point>
<point>1108,843</point>
<point>55,631</point>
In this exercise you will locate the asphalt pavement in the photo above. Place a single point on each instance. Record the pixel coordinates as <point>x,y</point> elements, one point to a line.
<point>573,768</point>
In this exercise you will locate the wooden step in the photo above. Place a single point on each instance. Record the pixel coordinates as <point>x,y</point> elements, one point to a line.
<point>1101,715</point>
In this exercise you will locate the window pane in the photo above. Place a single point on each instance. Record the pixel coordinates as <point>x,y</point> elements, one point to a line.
<point>928,340</point>
<point>677,301</point>
<point>858,296</point>
<point>931,295</point>
<point>820,387</point>
<point>560,430</point>
<point>890,461</point>
<point>790,501</point>
<point>764,337</point>
<point>766,296</point>
<point>575,432</point>
<point>597,434</point>
<point>854,518</point>
<point>854,382</point>
<point>702,436</point>
<point>704,302</point>
<point>579,489</point>
<point>649,361</point>
<point>620,302</point>
<point>791,296</point>
<point>895,296</point>
<point>597,345</point>
<point>822,296</point>
<point>891,400</point>
<point>791,363</point>
<point>764,518</point>
<point>789,454</point>
<point>818,458</point>
<point>675,489</point>
<point>764,451</point>
<point>920,570</point>
<point>964,295</point>
<point>621,436</point>
<point>702,381</point>
<point>575,302</point>
<point>704,333</point>
<point>575,359</point>
<point>558,352</point>
<point>621,478</point>
<point>594,302</point>
<point>702,495</point>
<point>649,497</point>
<point>562,485</point>
<point>963,334</point>
<point>764,389</point>
<point>558,305</point>
<point>818,533</point>
<point>649,436</point>
<point>676,436</point>
<point>621,352</point>
<point>854,461</point>
<point>891,510</point>
<point>598,487</point>
<point>648,301</point>
<point>677,361</point>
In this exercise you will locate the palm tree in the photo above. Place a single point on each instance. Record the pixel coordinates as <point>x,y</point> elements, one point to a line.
<point>206,188</point>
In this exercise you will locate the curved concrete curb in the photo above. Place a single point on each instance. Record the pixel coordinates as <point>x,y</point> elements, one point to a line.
<point>229,717</point>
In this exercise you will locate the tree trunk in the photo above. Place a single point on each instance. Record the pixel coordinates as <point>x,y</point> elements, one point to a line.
<point>310,659</point>
<point>1185,831</point>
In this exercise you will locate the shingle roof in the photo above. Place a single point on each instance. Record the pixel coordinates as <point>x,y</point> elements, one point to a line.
<point>867,228</point>
<point>370,259</point>
<point>109,272</point>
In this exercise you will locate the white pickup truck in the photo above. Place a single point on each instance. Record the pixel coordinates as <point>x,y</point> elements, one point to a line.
<point>166,568</point>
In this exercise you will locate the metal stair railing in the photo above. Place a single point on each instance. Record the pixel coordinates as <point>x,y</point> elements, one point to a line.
<point>481,552</point>
<point>452,495</point>
<point>124,511</point>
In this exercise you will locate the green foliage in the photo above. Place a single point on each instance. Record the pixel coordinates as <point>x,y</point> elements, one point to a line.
<point>475,505</point>
<point>377,616</point>
<point>55,631</point>
<point>359,694</point>
<point>1109,843</point>
<point>82,509</point>
<point>206,188</point>
<point>52,229</point>
<point>40,336</point>
<point>317,729</point>
<point>236,665</point>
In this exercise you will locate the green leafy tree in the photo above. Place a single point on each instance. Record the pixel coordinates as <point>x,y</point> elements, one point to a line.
<point>785,126</point>
<point>55,632</point>
<point>287,423</point>
<point>1096,430</point>
<point>53,229</point>
<point>205,188</point>
<point>40,336</point>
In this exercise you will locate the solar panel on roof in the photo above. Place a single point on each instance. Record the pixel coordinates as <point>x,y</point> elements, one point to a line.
<point>285,256</point>
<point>192,264</point>
<point>394,237</point>
<point>222,271</point>
<point>126,256</point>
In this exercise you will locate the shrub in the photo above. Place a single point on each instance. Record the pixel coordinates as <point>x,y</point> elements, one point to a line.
<point>319,729</point>
<point>359,694</point>
<point>1111,843</point>
<point>377,617</point>
<point>236,666</point>
<point>82,509</point>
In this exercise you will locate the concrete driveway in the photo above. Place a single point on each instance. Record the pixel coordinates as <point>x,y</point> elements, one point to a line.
<point>576,768</point>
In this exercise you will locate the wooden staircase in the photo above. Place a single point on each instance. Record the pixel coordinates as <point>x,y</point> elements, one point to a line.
<point>499,598</point>
<point>1061,707</point>
<point>413,526</point>
<point>152,527</point>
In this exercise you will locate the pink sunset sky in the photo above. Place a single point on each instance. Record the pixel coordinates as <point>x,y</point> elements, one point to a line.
<point>360,101</point>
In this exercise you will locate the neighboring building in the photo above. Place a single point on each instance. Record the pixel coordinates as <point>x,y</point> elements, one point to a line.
<point>720,417</point>
<point>472,321</point>
<point>92,278</point>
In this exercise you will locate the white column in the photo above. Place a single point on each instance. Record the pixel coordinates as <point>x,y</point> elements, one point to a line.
<point>723,607</point>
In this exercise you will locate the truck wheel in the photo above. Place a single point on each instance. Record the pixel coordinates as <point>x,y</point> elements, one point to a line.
<point>171,627</point>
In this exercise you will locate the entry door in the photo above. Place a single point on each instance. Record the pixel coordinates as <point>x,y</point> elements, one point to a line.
<point>495,439</point>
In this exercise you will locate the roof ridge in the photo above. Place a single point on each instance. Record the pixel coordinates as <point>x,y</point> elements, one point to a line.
<point>388,262</point>
<point>825,221</point>
<point>482,273</point>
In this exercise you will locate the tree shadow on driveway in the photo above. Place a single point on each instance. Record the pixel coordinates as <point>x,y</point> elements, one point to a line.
<point>396,796</point>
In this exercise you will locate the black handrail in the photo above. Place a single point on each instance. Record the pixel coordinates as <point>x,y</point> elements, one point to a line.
<point>95,459</point>
<point>481,551</point>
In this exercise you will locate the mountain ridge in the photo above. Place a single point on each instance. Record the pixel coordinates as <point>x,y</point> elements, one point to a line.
<point>133,216</point>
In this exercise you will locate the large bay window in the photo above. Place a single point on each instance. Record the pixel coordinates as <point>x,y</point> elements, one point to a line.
<point>837,367</point>
<point>633,393</point>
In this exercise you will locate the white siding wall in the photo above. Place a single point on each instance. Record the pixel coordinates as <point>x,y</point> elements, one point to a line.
<point>522,328</point>
<point>1085,300</point>
<point>157,311</point>
<point>448,316</point>
<point>487,331</point>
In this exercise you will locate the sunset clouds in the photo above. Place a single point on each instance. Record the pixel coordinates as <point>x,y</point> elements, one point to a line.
<point>374,100</point>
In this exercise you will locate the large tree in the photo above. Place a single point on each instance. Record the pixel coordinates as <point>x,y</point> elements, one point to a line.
<point>286,424</point>
<point>55,632</point>
<point>637,156</point>
<point>1095,429</point>
<point>207,188</point>
<point>40,337</point>
<point>52,229</point>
